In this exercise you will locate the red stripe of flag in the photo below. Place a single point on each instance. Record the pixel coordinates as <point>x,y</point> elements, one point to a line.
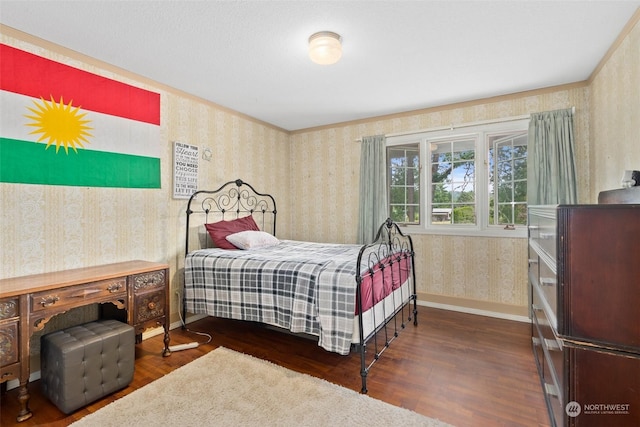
<point>28,74</point>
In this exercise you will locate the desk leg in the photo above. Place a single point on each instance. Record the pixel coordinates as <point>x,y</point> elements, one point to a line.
<point>23,398</point>
<point>166,351</point>
<point>25,369</point>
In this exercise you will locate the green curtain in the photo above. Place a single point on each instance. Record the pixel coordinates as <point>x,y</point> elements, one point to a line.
<point>551,164</point>
<point>373,187</point>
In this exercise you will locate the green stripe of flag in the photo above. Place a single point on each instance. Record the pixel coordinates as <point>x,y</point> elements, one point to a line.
<point>29,163</point>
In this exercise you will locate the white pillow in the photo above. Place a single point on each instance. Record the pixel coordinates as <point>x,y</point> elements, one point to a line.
<point>252,239</point>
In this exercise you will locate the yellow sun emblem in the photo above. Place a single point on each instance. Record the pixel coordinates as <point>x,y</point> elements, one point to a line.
<point>60,124</point>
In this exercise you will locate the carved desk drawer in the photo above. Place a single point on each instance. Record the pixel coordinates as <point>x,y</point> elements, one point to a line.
<point>9,338</point>
<point>9,308</point>
<point>148,281</point>
<point>149,299</point>
<point>73,295</point>
<point>149,306</point>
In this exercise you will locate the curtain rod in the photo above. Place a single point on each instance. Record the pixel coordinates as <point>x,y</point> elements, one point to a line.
<point>452,127</point>
<point>464,125</point>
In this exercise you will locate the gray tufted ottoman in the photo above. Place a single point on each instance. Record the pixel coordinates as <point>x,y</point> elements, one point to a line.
<point>84,363</point>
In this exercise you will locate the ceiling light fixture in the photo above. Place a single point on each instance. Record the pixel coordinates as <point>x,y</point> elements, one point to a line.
<point>325,47</point>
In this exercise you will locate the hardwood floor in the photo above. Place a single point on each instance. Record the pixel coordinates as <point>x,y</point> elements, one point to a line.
<point>463,369</point>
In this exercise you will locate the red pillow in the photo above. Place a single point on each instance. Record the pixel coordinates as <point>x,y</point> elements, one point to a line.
<point>220,230</point>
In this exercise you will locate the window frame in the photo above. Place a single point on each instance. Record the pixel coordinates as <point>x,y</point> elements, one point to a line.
<point>496,146</point>
<point>478,131</point>
<point>390,189</point>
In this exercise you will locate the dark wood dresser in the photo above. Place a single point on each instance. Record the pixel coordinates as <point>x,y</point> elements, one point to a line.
<point>584,275</point>
<point>137,290</point>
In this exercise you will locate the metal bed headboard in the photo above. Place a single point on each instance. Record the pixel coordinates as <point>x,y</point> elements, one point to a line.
<point>232,200</point>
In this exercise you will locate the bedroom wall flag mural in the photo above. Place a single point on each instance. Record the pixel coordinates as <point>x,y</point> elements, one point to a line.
<point>63,126</point>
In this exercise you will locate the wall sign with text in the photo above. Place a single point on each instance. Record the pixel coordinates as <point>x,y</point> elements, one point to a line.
<point>185,170</point>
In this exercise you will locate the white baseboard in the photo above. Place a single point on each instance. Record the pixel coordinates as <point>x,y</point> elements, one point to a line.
<point>476,311</point>
<point>11,384</point>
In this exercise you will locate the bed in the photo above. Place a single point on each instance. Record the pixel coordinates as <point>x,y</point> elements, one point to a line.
<point>352,298</point>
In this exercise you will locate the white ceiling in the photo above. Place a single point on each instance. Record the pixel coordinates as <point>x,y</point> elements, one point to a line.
<point>398,56</point>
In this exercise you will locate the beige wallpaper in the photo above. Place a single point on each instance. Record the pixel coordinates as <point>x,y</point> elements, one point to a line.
<point>615,115</point>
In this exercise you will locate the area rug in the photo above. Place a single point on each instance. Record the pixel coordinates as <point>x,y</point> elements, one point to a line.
<point>227,388</point>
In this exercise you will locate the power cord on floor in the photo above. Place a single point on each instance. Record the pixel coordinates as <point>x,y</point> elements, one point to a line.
<point>179,347</point>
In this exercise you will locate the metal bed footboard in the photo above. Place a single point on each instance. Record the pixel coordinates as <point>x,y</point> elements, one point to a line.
<point>391,252</point>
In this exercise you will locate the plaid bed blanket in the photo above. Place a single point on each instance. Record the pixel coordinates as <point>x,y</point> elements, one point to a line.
<point>304,287</point>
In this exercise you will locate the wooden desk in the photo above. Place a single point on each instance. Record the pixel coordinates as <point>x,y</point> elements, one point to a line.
<point>27,303</point>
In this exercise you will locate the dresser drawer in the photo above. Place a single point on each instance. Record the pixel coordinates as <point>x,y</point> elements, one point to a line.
<point>534,265</point>
<point>79,295</point>
<point>548,283</point>
<point>552,348</point>
<point>542,274</point>
<point>542,229</point>
<point>556,407</point>
<point>551,388</point>
<point>541,303</point>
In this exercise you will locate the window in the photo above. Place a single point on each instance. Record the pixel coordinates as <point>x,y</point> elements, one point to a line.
<point>471,180</point>
<point>508,179</point>
<point>453,182</point>
<point>404,183</point>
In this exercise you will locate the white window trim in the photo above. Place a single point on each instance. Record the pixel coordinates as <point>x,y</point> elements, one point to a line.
<point>478,130</point>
